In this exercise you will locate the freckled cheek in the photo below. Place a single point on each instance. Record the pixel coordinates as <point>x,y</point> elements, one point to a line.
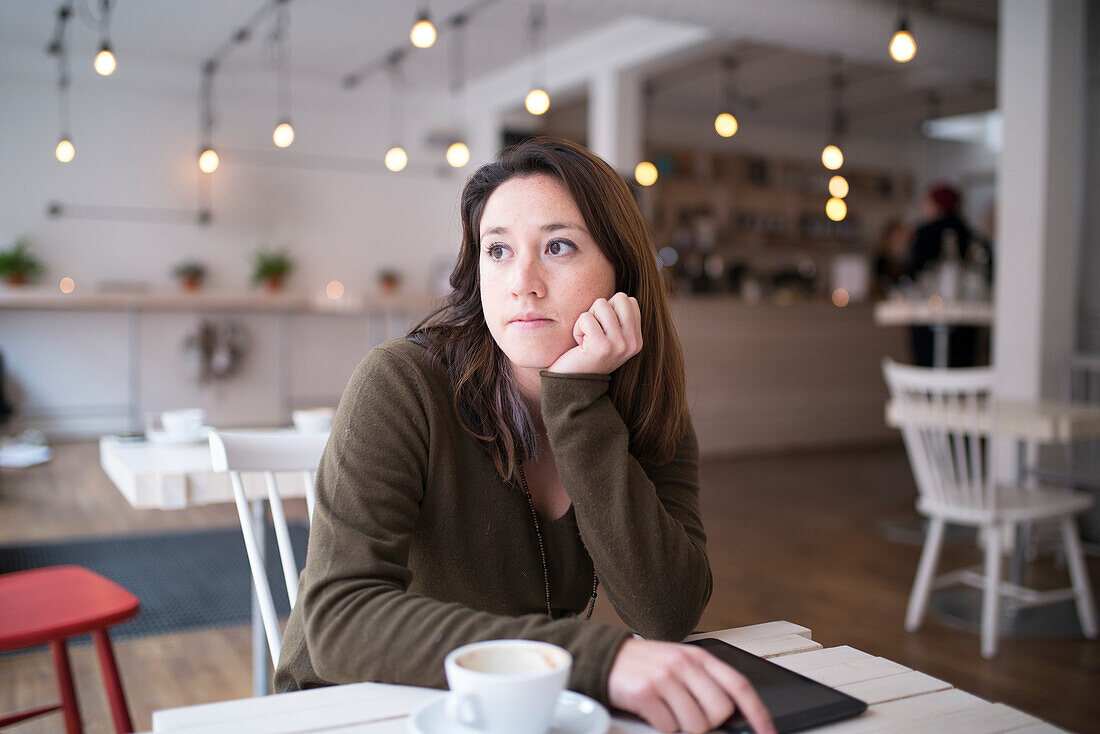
<point>584,292</point>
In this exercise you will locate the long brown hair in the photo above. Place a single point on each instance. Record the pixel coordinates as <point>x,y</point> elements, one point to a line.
<point>647,390</point>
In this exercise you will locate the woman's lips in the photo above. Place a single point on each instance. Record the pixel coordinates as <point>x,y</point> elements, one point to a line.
<point>530,323</point>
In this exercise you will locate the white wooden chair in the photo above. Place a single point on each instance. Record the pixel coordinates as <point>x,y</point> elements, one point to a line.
<point>946,419</point>
<point>266,453</point>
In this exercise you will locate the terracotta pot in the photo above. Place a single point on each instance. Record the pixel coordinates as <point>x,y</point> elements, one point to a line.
<point>191,282</point>
<point>274,283</point>
<point>389,283</point>
<point>16,278</point>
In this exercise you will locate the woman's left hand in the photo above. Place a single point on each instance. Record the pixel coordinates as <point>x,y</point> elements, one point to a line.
<point>607,335</point>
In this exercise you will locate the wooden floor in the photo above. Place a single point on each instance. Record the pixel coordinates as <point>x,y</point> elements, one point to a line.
<point>790,537</point>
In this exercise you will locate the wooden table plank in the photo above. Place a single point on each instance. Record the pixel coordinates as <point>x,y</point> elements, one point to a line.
<point>894,687</point>
<point>333,705</point>
<point>767,640</point>
<point>739,635</point>
<point>1040,728</point>
<point>925,709</point>
<point>771,647</point>
<point>991,718</point>
<point>840,666</point>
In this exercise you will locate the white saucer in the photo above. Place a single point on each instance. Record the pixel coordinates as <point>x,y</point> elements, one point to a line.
<point>165,437</point>
<point>574,714</point>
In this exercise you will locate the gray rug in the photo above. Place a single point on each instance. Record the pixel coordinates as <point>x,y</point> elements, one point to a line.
<point>185,580</point>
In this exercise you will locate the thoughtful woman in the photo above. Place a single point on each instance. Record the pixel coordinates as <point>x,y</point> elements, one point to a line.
<point>526,449</point>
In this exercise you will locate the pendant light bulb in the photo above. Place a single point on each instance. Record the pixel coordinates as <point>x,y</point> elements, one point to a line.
<point>396,159</point>
<point>208,161</point>
<point>283,134</point>
<point>537,102</point>
<point>105,62</point>
<point>423,32</point>
<point>645,173</point>
<point>65,151</point>
<point>838,187</point>
<point>725,125</point>
<point>903,47</point>
<point>458,154</point>
<point>836,209</point>
<point>832,158</point>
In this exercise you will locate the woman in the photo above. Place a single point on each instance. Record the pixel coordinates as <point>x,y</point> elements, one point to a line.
<point>525,449</point>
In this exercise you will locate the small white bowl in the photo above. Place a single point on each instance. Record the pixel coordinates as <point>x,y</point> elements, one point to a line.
<point>313,420</point>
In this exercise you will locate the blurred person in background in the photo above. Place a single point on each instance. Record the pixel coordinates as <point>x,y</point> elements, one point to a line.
<point>941,242</point>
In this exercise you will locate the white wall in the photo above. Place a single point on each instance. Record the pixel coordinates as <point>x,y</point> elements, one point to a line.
<point>136,135</point>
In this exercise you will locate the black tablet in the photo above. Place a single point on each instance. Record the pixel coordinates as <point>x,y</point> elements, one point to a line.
<point>794,701</point>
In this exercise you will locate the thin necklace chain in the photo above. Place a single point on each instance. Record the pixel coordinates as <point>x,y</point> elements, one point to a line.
<point>542,552</point>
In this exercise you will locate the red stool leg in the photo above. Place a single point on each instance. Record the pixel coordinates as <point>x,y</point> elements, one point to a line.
<point>65,686</point>
<point>111,682</point>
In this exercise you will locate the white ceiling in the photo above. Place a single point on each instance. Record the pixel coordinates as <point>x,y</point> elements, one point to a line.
<point>332,38</point>
<point>329,38</point>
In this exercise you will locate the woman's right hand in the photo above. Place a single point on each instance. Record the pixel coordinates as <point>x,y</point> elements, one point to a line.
<point>678,687</point>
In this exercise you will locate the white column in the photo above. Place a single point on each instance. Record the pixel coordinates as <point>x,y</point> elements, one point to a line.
<point>615,117</point>
<point>1040,178</point>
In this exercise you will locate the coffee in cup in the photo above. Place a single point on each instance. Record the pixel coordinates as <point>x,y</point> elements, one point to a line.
<point>506,686</point>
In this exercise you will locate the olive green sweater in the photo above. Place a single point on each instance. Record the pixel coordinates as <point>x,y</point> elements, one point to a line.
<point>418,546</point>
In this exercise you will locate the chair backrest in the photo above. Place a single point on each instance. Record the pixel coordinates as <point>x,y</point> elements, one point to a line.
<point>945,417</point>
<point>265,453</point>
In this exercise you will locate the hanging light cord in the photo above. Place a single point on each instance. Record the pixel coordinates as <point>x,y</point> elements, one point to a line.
<point>538,55</point>
<point>729,81</point>
<point>104,19</point>
<point>397,96</point>
<point>840,120</point>
<point>59,48</point>
<point>458,68</point>
<point>280,42</point>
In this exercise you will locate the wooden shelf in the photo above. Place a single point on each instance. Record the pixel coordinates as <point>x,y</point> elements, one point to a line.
<point>775,202</point>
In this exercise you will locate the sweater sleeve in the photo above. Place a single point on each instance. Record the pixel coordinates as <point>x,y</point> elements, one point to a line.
<point>361,622</point>
<point>643,530</point>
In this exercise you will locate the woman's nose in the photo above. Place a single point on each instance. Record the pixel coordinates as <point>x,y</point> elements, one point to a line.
<point>527,276</point>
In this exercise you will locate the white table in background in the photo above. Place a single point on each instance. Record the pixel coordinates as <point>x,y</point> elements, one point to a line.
<point>1029,424</point>
<point>900,699</point>
<point>907,312</point>
<point>173,476</point>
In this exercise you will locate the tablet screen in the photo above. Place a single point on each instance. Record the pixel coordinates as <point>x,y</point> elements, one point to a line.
<point>794,701</point>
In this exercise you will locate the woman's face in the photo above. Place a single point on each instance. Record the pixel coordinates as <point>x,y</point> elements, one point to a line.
<point>540,270</point>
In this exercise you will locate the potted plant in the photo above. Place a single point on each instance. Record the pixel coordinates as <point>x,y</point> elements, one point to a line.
<point>17,266</point>
<point>271,268</point>
<point>190,274</point>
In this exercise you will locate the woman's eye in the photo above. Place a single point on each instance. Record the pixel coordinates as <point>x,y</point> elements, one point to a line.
<point>557,248</point>
<point>496,252</point>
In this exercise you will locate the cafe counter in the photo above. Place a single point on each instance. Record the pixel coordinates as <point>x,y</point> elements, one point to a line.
<point>760,377</point>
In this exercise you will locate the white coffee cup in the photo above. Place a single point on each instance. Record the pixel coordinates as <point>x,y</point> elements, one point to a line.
<point>506,686</point>
<point>313,420</point>
<point>182,424</point>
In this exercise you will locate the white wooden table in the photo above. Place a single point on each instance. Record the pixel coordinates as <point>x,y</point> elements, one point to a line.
<point>900,699</point>
<point>173,476</point>
<point>939,318</point>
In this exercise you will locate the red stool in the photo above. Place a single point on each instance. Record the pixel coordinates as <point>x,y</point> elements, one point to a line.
<point>55,603</point>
